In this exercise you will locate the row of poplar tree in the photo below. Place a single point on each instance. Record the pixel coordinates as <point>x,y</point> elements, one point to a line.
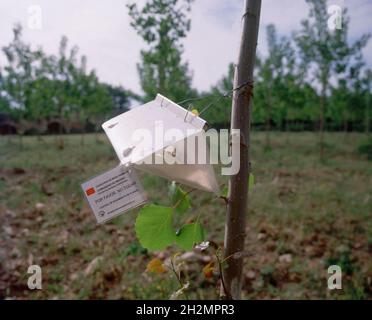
<point>36,87</point>
<point>316,78</point>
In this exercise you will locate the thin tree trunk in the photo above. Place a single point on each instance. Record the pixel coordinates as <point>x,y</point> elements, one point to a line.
<point>346,126</point>
<point>61,142</point>
<point>345,122</point>
<point>21,140</point>
<point>367,116</point>
<point>268,120</point>
<point>82,137</point>
<point>96,134</point>
<point>161,72</point>
<point>321,121</point>
<point>238,185</point>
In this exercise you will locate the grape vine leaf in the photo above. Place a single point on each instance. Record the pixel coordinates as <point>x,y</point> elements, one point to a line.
<point>189,235</point>
<point>154,227</point>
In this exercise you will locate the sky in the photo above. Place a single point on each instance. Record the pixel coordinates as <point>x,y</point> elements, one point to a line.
<point>102,32</point>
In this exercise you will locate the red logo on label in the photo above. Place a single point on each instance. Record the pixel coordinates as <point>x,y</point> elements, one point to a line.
<point>90,191</point>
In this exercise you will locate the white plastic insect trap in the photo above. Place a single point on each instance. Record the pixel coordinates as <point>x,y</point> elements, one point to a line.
<point>159,137</point>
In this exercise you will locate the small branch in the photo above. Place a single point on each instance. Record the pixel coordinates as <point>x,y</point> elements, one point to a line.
<point>227,294</point>
<point>226,199</point>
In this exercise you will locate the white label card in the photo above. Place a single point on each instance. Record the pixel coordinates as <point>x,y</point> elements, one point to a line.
<point>113,193</point>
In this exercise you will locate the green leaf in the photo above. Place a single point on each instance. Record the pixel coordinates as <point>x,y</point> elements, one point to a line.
<point>179,198</point>
<point>251,181</point>
<point>154,227</point>
<point>224,191</point>
<point>189,235</point>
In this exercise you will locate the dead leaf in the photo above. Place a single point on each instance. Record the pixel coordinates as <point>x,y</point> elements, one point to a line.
<point>156,266</point>
<point>208,270</point>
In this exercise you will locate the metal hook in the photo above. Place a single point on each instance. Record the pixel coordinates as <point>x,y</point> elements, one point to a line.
<point>187,112</point>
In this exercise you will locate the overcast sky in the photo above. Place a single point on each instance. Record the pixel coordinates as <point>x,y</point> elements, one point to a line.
<point>102,32</point>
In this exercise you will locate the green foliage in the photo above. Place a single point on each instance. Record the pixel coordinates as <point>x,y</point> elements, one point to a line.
<point>220,111</point>
<point>154,224</point>
<point>154,227</point>
<point>134,249</point>
<point>180,199</point>
<point>327,53</point>
<point>292,82</point>
<point>343,260</point>
<point>365,148</point>
<point>162,24</point>
<point>225,191</point>
<point>35,86</point>
<point>251,181</point>
<point>120,97</point>
<point>189,235</point>
<point>275,75</point>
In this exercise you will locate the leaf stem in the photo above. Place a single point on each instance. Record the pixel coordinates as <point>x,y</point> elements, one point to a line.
<point>183,197</point>
<point>178,278</point>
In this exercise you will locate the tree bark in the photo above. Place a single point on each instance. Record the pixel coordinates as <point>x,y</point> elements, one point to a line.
<point>238,185</point>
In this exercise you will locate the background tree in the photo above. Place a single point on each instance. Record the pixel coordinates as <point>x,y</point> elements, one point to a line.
<point>121,97</point>
<point>4,103</point>
<point>325,50</point>
<point>39,87</point>
<point>270,76</point>
<point>367,82</point>
<point>346,99</point>
<point>163,24</point>
<point>215,101</point>
<point>19,75</point>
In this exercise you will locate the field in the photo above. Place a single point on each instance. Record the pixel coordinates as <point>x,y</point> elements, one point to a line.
<point>304,215</point>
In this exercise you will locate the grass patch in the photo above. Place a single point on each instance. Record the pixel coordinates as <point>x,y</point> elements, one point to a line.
<point>299,207</point>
